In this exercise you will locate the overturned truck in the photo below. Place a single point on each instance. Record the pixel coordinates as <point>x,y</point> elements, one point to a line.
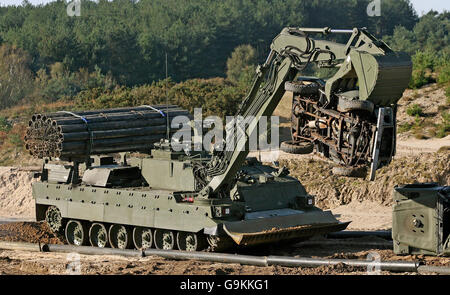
<point>349,118</point>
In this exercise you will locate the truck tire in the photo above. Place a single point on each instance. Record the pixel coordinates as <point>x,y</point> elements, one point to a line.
<point>302,89</point>
<point>299,148</point>
<point>359,172</point>
<point>346,105</point>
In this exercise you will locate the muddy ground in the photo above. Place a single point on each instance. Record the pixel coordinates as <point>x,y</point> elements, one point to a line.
<point>22,262</point>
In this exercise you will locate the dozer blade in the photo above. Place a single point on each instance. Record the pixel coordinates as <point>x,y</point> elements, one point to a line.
<point>267,230</point>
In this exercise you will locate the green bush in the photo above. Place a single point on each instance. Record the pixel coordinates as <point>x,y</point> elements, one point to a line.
<point>424,63</point>
<point>242,64</point>
<point>444,73</point>
<point>215,96</point>
<point>15,140</point>
<point>444,128</point>
<point>402,128</point>
<point>414,110</point>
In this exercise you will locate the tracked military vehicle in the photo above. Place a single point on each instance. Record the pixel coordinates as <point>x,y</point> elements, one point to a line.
<point>153,201</point>
<point>172,199</point>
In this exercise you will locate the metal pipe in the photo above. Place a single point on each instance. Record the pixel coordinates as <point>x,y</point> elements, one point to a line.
<point>341,31</point>
<point>433,269</point>
<point>87,250</point>
<point>33,247</point>
<point>401,266</point>
<point>206,256</point>
<point>115,110</point>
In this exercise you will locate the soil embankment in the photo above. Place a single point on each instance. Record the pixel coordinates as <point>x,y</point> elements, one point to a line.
<point>15,193</point>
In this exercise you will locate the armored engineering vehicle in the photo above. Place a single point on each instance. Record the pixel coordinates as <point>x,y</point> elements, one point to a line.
<point>172,199</point>
<point>351,117</point>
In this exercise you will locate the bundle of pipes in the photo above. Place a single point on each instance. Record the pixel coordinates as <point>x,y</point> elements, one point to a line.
<point>69,135</point>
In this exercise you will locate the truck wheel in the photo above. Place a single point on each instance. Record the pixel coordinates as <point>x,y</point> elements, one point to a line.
<point>142,238</point>
<point>301,147</point>
<point>120,236</point>
<point>54,219</point>
<point>98,235</point>
<point>164,239</point>
<point>76,233</point>
<point>345,105</point>
<point>302,89</point>
<point>359,172</point>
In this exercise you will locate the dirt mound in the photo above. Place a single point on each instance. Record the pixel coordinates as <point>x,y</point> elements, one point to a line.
<point>30,232</point>
<point>432,102</point>
<point>332,191</point>
<point>15,193</point>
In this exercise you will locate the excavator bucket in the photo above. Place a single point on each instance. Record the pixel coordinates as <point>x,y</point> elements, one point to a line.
<point>267,230</point>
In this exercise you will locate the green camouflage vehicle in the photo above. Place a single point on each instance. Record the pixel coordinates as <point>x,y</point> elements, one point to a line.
<point>154,201</point>
<point>171,199</point>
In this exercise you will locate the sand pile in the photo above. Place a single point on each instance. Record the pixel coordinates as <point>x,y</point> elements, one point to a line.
<point>15,193</point>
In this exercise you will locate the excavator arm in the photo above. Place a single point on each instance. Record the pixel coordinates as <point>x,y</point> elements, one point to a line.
<point>291,51</point>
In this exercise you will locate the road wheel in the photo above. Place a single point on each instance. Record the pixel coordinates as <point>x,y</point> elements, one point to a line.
<point>219,243</point>
<point>98,235</point>
<point>302,89</point>
<point>190,241</point>
<point>120,236</point>
<point>359,172</point>
<point>76,233</point>
<point>346,105</point>
<point>298,147</point>
<point>164,239</point>
<point>142,238</point>
<point>54,219</point>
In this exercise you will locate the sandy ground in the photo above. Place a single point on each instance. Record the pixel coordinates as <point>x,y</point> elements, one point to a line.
<point>15,193</point>
<point>411,146</point>
<point>365,215</point>
<point>22,262</point>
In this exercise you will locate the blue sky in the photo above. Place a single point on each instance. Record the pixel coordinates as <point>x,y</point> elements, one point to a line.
<point>422,6</point>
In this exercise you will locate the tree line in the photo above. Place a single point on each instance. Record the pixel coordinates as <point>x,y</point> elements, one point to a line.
<point>47,55</point>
